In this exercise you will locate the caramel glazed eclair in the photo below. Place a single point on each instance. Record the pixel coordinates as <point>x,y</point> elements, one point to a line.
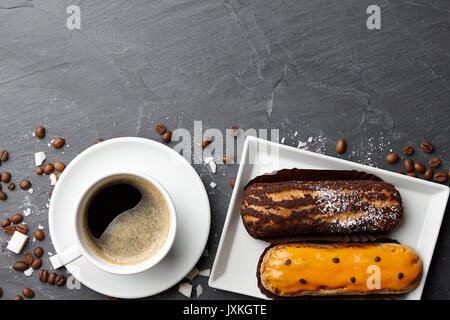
<point>330,207</point>
<point>299,269</point>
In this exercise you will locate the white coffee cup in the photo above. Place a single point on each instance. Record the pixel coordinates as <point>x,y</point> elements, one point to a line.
<point>81,247</point>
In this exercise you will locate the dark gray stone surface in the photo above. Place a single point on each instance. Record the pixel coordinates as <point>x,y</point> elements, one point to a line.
<point>305,66</point>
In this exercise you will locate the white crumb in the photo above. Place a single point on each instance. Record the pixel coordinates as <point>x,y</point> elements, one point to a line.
<point>199,290</point>
<point>28,272</point>
<point>52,179</point>
<point>283,139</point>
<point>185,289</point>
<point>39,158</point>
<point>212,185</point>
<point>205,273</point>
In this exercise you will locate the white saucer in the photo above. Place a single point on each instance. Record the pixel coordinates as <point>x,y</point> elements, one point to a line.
<point>182,183</point>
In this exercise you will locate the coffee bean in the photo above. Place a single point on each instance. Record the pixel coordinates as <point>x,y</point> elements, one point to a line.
<point>98,140</point>
<point>39,234</point>
<point>3,196</point>
<point>408,150</point>
<point>40,132</point>
<point>18,297</point>
<point>20,266</point>
<point>51,278</point>
<point>427,146</point>
<point>22,228</point>
<point>419,167</point>
<point>392,158</point>
<point>341,145</point>
<point>6,222</point>
<point>4,155</point>
<point>37,263</point>
<point>9,230</point>
<point>58,175</point>
<point>59,166</point>
<point>39,171</point>
<point>409,165</point>
<point>6,177</point>
<point>43,275</point>
<point>50,192</point>
<point>28,293</point>
<point>25,184</point>
<point>28,258</point>
<point>49,168</point>
<point>434,163</point>
<point>428,175</point>
<point>205,142</point>
<point>232,182</point>
<point>38,252</point>
<point>167,136</point>
<point>160,128</point>
<point>11,186</point>
<point>17,218</point>
<point>234,131</point>
<point>412,174</point>
<point>60,280</point>
<point>58,143</point>
<point>440,177</point>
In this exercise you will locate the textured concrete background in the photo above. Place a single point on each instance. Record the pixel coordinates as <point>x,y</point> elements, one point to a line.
<point>305,66</point>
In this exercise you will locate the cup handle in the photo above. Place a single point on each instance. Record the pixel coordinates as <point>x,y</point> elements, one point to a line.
<point>69,255</point>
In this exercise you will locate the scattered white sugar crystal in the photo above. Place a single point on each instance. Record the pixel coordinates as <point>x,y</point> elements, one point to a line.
<point>199,290</point>
<point>31,190</point>
<point>54,260</point>
<point>301,144</point>
<point>52,179</point>
<point>310,139</point>
<point>28,272</point>
<point>208,160</point>
<point>295,133</point>
<point>185,289</point>
<point>213,166</point>
<point>17,242</point>
<point>39,158</point>
<point>212,184</point>
<point>205,273</point>
<point>192,274</point>
<point>283,139</point>
<point>49,253</point>
<point>40,227</point>
<point>27,212</point>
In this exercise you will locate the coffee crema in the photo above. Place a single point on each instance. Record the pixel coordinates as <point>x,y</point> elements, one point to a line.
<point>132,235</point>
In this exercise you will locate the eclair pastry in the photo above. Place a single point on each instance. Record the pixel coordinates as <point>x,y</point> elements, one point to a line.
<point>300,269</point>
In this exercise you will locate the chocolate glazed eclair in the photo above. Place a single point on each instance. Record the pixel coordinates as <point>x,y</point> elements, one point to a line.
<point>343,206</point>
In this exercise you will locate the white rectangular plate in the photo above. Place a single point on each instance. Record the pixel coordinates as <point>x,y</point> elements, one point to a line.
<point>238,253</point>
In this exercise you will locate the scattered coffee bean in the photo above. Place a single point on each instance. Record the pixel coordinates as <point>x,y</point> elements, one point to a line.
<point>98,140</point>
<point>20,266</point>
<point>341,145</point>
<point>352,279</point>
<point>51,278</point>
<point>60,280</point>
<point>11,186</point>
<point>434,163</point>
<point>6,222</point>
<point>232,182</point>
<point>400,275</point>
<point>234,131</point>
<point>409,165</point>
<point>392,158</point>
<point>58,175</point>
<point>377,259</point>
<point>4,155</point>
<point>3,196</point>
<point>59,143</point>
<point>25,184</point>
<point>167,136</point>
<point>28,293</point>
<point>43,275</point>
<point>18,297</point>
<point>50,192</point>
<point>49,168</point>
<point>6,177</point>
<point>28,258</point>
<point>408,150</point>
<point>37,263</point>
<point>9,230</point>
<point>160,128</point>
<point>428,175</point>
<point>400,172</point>
<point>440,177</point>
<point>39,171</point>
<point>302,281</point>
<point>419,167</point>
<point>22,228</point>
<point>38,252</point>
<point>59,166</point>
<point>17,218</point>
<point>412,174</point>
<point>39,234</point>
<point>335,260</point>
<point>287,262</point>
<point>427,146</point>
<point>205,142</point>
<point>40,132</point>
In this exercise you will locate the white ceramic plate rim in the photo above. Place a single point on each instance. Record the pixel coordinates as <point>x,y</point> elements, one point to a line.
<point>80,157</point>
